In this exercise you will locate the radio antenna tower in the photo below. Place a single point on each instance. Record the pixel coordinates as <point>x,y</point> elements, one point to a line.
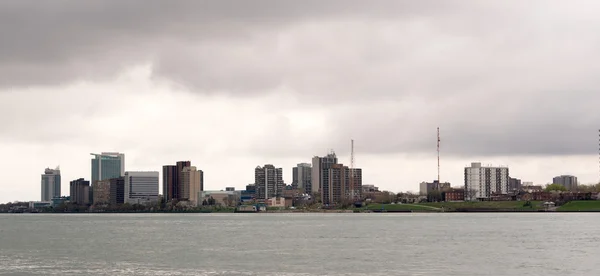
<point>352,192</point>
<point>438,154</point>
<point>599,154</point>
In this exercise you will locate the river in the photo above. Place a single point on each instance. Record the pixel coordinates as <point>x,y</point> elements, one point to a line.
<point>496,244</point>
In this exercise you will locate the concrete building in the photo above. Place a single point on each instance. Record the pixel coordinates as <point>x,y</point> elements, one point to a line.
<point>172,188</point>
<point>192,182</point>
<point>568,181</point>
<point>302,176</point>
<point>320,174</point>
<point>427,187</point>
<point>221,198</point>
<point>101,192</point>
<point>369,188</point>
<point>268,181</point>
<point>514,184</point>
<point>107,165</point>
<point>80,191</point>
<point>482,182</point>
<point>50,184</point>
<point>340,185</point>
<point>141,187</point>
<point>117,190</point>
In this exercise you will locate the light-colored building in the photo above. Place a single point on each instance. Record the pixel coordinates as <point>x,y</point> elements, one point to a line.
<point>320,171</point>
<point>50,184</point>
<point>279,202</point>
<point>192,181</point>
<point>141,187</point>
<point>481,182</point>
<point>221,198</point>
<point>427,187</point>
<point>101,192</point>
<point>107,165</point>
<point>369,188</point>
<point>302,176</point>
<point>269,181</point>
<point>568,181</point>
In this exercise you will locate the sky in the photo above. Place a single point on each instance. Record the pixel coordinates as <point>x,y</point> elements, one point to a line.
<point>230,85</point>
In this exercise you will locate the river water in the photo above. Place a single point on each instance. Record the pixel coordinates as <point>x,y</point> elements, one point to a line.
<point>300,244</point>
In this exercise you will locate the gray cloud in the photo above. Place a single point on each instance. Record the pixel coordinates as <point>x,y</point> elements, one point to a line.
<point>498,78</point>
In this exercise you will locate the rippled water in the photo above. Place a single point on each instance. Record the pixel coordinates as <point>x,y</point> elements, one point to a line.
<point>300,244</point>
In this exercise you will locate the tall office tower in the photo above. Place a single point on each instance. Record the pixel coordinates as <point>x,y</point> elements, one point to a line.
<point>117,190</point>
<point>568,181</point>
<point>337,189</point>
<point>172,189</point>
<point>482,182</point>
<point>319,175</point>
<point>268,181</point>
<point>107,165</point>
<point>141,187</point>
<point>302,177</point>
<point>169,182</point>
<point>50,184</point>
<point>192,182</point>
<point>80,191</point>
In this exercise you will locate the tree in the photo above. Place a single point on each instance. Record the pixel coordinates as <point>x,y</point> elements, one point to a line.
<point>555,187</point>
<point>470,194</point>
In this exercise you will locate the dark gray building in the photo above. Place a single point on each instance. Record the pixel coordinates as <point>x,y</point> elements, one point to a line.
<point>117,191</point>
<point>514,184</point>
<point>80,191</point>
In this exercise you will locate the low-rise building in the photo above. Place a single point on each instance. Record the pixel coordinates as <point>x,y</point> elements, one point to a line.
<point>427,187</point>
<point>454,195</point>
<point>39,204</point>
<point>279,202</point>
<point>220,198</point>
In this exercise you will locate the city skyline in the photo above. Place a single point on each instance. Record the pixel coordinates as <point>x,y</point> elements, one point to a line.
<point>507,83</point>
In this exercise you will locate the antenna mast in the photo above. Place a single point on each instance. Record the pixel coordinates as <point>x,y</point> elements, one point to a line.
<point>352,193</point>
<point>438,154</point>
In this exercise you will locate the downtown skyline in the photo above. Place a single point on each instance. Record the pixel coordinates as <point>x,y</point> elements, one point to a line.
<point>508,84</point>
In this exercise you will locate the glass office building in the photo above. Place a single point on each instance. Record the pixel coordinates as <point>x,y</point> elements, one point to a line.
<point>107,165</point>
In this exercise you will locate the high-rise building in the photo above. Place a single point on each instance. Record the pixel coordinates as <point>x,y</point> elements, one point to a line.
<point>319,174</point>
<point>482,182</point>
<point>568,181</point>
<point>141,187</point>
<point>107,165</point>
<point>302,177</point>
<point>268,181</point>
<point>172,189</point>
<point>192,182</point>
<point>338,187</point>
<point>101,192</point>
<point>117,190</point>
<point>80,191</point>
<point>50,184</point>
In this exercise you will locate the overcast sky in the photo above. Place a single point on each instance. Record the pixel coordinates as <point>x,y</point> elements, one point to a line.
<point>231,85</point>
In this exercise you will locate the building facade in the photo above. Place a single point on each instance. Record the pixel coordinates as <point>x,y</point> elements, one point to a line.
<point>192,182</point>
<point>107,165</point>
<point>320,171</point>
<point>302,177</point>
<point>268,181</point>
<point>482,182</point>
<point>51,184</point>
<point>172,187</point>
<point>141,187</point>
<point>514,184</point>
<point>117,190</point>
<point>101,192</point>
<point>343,185</point>
<point>80,191</point>
<point>427,187</point>
<point>568,181</point>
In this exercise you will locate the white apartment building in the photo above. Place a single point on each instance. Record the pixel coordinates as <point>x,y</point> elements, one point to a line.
<point>141,187</point>
<point>482,182</point>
